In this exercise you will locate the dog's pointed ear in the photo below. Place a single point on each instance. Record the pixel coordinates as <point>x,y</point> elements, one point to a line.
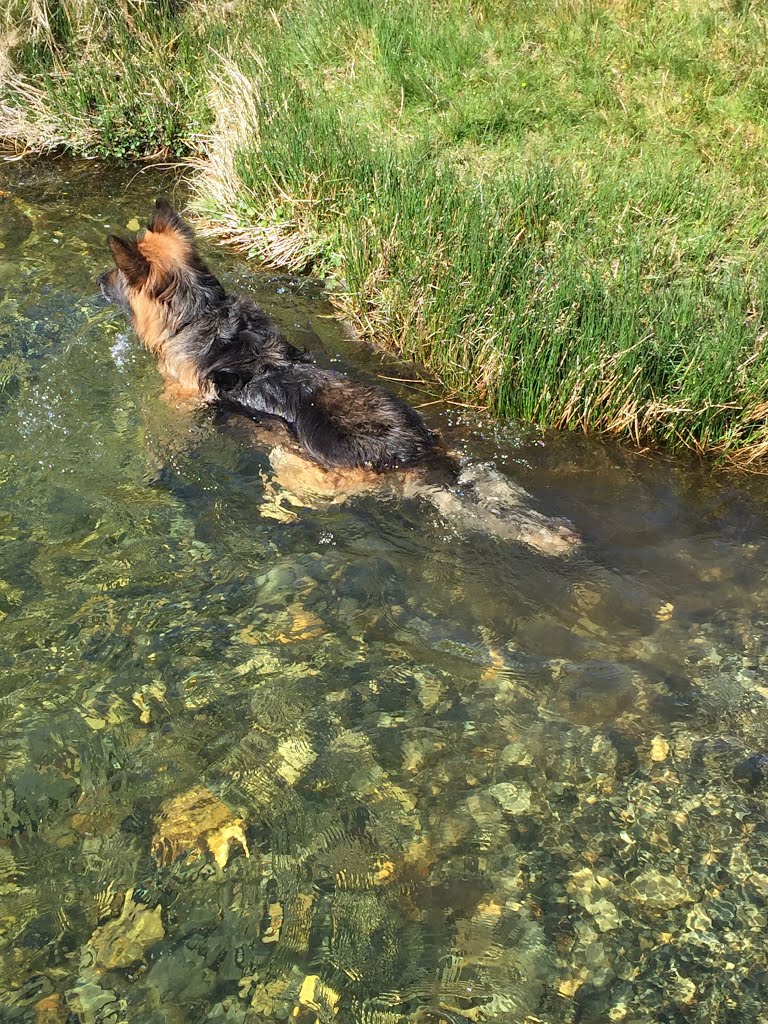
<point>128,259</point>
<point>165,219</point>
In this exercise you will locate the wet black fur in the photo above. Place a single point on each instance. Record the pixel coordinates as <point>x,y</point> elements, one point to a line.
<point>253,369</point>
<point>338,421</point>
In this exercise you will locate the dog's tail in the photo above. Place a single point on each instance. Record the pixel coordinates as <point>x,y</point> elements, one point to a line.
<point>483,500</point>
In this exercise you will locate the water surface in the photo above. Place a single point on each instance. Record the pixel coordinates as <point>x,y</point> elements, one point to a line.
<point>353,766</point>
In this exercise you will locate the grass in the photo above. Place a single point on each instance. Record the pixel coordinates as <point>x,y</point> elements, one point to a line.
<point>558,207</point>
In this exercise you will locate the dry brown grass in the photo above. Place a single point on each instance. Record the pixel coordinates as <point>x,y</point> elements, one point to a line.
<point>219,194</point>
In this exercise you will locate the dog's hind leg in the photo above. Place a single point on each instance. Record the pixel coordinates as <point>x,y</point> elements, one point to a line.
<point>484,501</point>
<point>299,482</point>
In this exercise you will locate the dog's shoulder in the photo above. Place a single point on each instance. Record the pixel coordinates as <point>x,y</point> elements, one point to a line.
<point>248,346</point>
<point>271,348</point>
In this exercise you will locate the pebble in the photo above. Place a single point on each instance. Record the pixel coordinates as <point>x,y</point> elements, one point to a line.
<point>659,749</point>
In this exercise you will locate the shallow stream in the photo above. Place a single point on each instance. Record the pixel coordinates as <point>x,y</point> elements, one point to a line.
<point>352,765</point>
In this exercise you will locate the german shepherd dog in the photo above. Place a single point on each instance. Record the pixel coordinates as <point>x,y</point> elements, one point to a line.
<point>223,350</point>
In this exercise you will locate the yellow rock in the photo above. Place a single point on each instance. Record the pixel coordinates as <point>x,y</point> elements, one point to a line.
<point>125,939</point>
<point>145,716</point>
<point>305,625</point>
<point>489,911</point>
<point>317,996</point>
<point>659,749</point>
<point>568,987</point>
<point>194,823</point>
<point>248,635</point>
<point>296,756</point>
<point>497,665</point>
<point>384,872</point>
<point>275,913</point>
<point>50,1010</point>
<point>665,611</point>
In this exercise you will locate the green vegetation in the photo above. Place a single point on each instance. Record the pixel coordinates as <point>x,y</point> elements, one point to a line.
<point>558,207</point>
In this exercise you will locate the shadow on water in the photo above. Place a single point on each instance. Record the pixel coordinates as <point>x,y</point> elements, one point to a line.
<point>352,766</point>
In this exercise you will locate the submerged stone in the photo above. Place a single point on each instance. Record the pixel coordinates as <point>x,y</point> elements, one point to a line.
<point>194,823</point>
<point>125,939</point>
<point>51,1010</point>
<point>662,892</point>
<point>659,749</point>
<point>94,1005</point>
<point>316,995</point>
<point>515,798</point>
<point>752,772</point>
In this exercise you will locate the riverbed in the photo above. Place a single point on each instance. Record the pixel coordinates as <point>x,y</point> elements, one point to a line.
<point>353,764</point>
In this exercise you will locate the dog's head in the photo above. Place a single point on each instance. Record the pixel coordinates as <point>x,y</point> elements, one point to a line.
<point>160,279</point>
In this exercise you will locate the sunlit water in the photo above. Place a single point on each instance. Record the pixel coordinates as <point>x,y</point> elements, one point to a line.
<point>353,766</point>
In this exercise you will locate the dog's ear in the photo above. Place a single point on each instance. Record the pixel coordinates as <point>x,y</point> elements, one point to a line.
<point>165,219</point>
<point>128,259</point>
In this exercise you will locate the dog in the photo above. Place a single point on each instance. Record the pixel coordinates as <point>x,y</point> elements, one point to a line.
<point>349,437</point>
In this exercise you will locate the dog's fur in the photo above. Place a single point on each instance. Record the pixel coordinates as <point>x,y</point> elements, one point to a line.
<point>227,350</point>
<point>224,350</point>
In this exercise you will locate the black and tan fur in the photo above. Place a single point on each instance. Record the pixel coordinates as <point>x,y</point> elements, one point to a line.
<point>224,350</point>
<point>227,350</point>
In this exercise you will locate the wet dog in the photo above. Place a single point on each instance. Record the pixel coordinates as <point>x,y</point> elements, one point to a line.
<point>350,437</point>
<point>227,350</point>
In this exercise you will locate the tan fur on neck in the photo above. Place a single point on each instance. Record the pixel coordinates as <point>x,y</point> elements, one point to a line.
<point>148,320</point>
<point>174,363</point>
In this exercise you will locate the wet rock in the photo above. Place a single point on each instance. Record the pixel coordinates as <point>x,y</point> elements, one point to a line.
<point>514,797</point>
<point>228,1012</point>
<point>40,793</point>
<point>597,692</point>
<point>265,998</point>
<point>429,689</point>
<point>626,753</point>
<point>517,752</point>
<point>568,987</point>
<point>296,756</point>
<point>124,940</point>
<point>661,892</point>
<point>591,891</point>
<point>145,697</point>
<point>180,976</point>
<point>195,823</point>
<point>665,611</point>
<point>659,749</point>
<point>682,990</point>
<point>315,995</point>
<point>752,772</point>
<point>51,1010</point>
<point>40,932</point>
<point>475,935</point>
<point>91,1004</point>
<point>274,923</point>
<point>484,809</point>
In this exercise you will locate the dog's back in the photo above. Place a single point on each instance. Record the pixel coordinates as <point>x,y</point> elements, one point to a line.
<point>337,420</point>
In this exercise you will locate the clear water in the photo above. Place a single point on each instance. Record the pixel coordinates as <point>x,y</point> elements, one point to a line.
<point>352,767</point>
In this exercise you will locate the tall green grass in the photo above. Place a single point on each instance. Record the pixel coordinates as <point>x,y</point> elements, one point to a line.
<point>559,207</point>
<point>125,79</point>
